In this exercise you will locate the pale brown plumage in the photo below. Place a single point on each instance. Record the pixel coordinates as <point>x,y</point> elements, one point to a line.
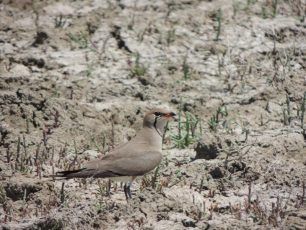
<point>134,158</point>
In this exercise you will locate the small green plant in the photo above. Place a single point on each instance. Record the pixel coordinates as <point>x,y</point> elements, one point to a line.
<point>287,112</point>
<point>153,181</point>
<point>264,13</point>
<point>154,177</point>
<point>131,23</point>
<point>145,31</point>
<point>303,110</point>
<point>138,69</point>
<point>23,160</point>
<point>170,36</point>
<point>141,35</point>
<point>218,18</point>
<point>220,64</point>
<point>62,193</point>
<point>80,39</point>
<point>103,190</point>
<point>59,21</point>
<point>2,195</point>
<point>215,119</point>
<point>261,120</point>
<point>99,146</point>
<point>100,206</point>
<point>269,9</point>
<point>245,130</point>
<point>235,6</point>
<point>89,70</point>
<point>187,126</point>
<point>274,8</point>
<point>186,69</point>
<point>7,209</point>
<point>249,4</point>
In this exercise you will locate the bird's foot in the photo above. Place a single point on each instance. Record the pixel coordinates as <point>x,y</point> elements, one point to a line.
<point>127,191</point>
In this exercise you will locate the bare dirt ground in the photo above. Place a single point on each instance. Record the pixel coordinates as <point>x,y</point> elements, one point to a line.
<point>76,78</point>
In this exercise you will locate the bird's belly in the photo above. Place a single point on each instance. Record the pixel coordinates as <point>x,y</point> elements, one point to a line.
<point>122,179</point>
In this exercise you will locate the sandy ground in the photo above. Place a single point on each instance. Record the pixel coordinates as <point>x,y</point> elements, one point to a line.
<point>76,78</point>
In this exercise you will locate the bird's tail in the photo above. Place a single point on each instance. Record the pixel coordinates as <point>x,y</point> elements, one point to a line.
<point>67,174</point>
<point>86,173</point>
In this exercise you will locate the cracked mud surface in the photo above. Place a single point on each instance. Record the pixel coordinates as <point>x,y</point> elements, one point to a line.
<point>77,77</point>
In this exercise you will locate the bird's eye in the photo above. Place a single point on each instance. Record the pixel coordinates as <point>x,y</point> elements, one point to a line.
<point>158,114</point>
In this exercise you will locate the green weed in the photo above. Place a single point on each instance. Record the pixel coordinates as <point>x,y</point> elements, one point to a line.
<point>59,21</point>
<point>287,112</point>
<point>218,18</point>
<point>187,126</point>
<point>138,69</point>
<point>274,8</point>
<point>303,110</point>
<point>2,195</point>
<point>214,121</point>
<point>170,36</point>
<point>186,69</point>
<point>81,39</point>
<point>269,10</point>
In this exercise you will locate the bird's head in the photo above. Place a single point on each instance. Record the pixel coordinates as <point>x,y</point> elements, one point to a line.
<point>158,118</point>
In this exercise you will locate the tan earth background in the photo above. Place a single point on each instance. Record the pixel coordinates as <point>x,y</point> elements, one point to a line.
<point>76,78</point>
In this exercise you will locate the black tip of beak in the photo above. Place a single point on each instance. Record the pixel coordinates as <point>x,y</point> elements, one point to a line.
<point>173,115</point>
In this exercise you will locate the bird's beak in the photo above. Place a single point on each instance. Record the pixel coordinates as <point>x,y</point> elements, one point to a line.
<point>170,116</point>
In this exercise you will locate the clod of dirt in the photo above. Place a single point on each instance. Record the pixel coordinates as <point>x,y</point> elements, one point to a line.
<point>291,143</point>
<point>120,42</point>
<point>32,61</point>
<point>19,70</point>
<point>189,223</point>
<point>42,223</point>
<point>40,38</point>
<point>297,219</point>
<point>236,167</point>
<point>91,154</point>
<point>17,190</point>
<point>207,148</point>
<point>145,81</point>
<point>216,173</point>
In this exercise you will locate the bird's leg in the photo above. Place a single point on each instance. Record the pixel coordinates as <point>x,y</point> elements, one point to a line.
<point>127,190</point>
<point>109,185</point>
<point>124,189</point>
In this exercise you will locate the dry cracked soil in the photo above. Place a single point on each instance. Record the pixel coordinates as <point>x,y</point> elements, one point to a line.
<point>76,78</point>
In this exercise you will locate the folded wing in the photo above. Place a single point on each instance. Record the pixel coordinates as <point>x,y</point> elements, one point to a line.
<point>114,165</point>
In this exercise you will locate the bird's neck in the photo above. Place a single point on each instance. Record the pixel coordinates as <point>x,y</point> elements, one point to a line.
<point>152,137</point>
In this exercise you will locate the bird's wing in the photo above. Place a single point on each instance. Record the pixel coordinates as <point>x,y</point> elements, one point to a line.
<point>128,165</point>
<point>134,158</point>
<point>117,165</point>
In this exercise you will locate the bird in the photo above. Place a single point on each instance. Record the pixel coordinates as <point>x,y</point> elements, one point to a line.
<point>134,158</point>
